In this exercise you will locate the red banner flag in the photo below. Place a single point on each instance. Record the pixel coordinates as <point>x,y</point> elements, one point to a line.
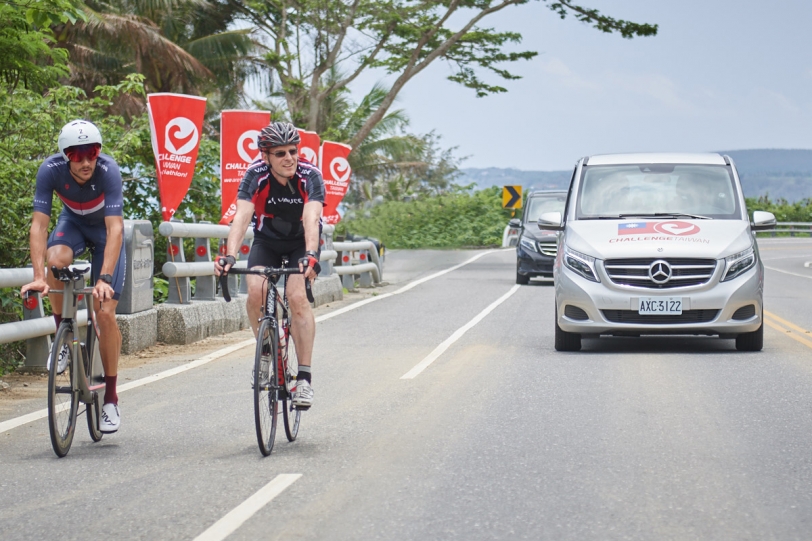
<point>336,171</point>
<point>176,121</point>
<point>238,149</point>
<point>309,146</point>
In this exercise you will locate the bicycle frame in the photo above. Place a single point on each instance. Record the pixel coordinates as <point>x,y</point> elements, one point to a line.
<point>70,300</point>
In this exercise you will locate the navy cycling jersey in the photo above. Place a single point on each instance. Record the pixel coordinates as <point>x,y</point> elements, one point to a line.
<point>89,203</point>
<point>278,209</point>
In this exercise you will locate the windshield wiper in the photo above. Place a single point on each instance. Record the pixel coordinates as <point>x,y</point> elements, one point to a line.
<point>665,214</point>
<point>602,217</point>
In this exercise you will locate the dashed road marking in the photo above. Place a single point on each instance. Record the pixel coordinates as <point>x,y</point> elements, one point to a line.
<point>237,516</point>
<point>439,350</point>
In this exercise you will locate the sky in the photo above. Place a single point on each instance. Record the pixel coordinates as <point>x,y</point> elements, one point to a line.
<point>719,75</point>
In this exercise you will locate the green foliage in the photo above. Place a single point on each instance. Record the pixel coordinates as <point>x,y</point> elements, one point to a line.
<point>11,309</point>
<point>448,221</point>
<point>799,211</point>
<point>26,56</point>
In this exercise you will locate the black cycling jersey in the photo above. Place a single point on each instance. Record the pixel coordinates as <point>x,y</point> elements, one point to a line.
<point>278,209</point>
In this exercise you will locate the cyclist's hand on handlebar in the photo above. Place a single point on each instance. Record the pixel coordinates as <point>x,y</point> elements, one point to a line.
<point>223,264</point>
<point>103,291</point>
<point>37,285</point>
<point>306,265</point>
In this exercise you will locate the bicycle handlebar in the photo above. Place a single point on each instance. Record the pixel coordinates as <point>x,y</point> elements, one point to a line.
<point>262,271</point>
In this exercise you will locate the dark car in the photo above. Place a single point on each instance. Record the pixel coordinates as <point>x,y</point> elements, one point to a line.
<point>536,250</point>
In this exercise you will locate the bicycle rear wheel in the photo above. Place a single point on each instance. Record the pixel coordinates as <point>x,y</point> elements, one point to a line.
<point>62,398</point>
<point>265,386</point>
<point>290,415</point>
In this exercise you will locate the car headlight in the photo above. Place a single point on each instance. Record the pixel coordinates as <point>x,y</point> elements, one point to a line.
<point>737,264</point>
<point>528,244</point>
<point>581,263</point>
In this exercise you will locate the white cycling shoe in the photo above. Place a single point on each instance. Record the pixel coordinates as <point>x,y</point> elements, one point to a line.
<point>303,395</point>
<point>110,418</point>
<point>62,364</point>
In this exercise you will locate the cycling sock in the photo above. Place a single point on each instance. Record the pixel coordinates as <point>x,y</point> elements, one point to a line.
<point>58,319</point>
<point>110,396</point>
<point>304,373</point>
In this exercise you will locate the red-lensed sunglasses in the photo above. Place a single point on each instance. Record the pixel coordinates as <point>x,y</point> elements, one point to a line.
<point>83,152</point>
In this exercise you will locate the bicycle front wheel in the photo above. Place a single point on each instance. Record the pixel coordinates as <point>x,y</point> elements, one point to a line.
<point>265,386</point>
<point>62,397</point>
<point>290,415</point>
<point>92,410</point>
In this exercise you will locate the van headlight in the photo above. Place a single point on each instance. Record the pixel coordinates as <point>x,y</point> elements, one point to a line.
<point>528,244</point>
<point>581,264</point>
<point>737,264</point>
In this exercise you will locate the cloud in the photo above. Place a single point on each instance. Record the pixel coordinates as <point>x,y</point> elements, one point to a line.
<point>562,74</point>
<point>766,99</point>
<point>659,88</point>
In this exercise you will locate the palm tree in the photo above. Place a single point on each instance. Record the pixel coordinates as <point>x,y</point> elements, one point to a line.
<point>178,45</point>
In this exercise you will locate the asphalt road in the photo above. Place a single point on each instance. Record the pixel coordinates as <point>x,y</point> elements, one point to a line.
<point>500,437</point>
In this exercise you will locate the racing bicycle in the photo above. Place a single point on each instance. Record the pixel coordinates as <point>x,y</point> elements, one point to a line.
<point>275,361</point>
<point>82,379</point>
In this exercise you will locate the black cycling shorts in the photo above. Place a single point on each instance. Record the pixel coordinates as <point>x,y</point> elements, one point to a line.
<point>269,253</point>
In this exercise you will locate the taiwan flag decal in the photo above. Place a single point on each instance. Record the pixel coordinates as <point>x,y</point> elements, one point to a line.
<point>636,228</point>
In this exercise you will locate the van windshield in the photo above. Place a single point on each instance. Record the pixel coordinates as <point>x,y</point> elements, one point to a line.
<point>649,189</point>
<point>538,205</point>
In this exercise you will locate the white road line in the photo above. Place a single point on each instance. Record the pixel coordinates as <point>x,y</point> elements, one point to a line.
<point>787,272</point>
<point>403,289</point>
<point>233,520</point>
<point>19,421</point>
<point>439,350</point>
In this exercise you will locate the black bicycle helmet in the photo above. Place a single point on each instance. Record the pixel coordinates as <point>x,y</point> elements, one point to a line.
<point>277,134</point>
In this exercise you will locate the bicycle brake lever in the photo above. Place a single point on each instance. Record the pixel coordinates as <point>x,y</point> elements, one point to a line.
<point>309,291</point>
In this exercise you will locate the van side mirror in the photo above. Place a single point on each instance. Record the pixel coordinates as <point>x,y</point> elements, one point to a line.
<point>550,221</point>
<point>515,223</point>
<point>762,221</point>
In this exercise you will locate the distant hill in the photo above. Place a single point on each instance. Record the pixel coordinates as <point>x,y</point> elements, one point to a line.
<point>778,173</point>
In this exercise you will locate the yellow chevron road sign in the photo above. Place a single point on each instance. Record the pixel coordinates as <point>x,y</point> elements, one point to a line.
<point>511,197</point>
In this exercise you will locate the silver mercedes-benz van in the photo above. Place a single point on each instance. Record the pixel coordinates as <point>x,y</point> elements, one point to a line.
<point>657,244</point>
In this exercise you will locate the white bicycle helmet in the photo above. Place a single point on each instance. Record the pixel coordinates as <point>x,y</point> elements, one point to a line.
<point>78,132</point>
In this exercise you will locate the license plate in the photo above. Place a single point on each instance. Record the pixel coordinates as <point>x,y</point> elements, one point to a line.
<point>663,306</point>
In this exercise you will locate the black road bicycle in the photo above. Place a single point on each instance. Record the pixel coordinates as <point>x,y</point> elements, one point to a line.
<point>82,380</point>
<point>273,382</point>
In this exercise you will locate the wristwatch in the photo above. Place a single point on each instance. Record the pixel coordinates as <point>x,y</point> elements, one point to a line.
<point>106,278</point>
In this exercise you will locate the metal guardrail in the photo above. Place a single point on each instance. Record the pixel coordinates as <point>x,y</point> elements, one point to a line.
<point>347,259</point>
<point>35,328</point>
<point>350,260</point>
<point>793,228</point>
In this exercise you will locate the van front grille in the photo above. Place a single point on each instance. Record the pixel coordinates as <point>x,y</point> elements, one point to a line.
<point>636,272</point>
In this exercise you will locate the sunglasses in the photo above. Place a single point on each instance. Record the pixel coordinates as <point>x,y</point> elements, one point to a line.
<point>282,153</point>
<point>83,152</point>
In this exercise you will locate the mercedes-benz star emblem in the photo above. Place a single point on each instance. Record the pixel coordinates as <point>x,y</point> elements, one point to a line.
<point>659,272</point>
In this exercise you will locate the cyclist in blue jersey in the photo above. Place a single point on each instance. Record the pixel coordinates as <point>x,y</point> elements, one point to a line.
<point>89,185</point>
<point>284,196</point>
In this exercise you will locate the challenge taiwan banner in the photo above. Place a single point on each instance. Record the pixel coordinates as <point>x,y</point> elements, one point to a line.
<point>336,171</point>
<point>176,121</point>
<point>238,150</point>
<point>309,146</point>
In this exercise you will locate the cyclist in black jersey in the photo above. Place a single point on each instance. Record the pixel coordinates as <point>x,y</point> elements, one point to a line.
<point>89,185</point>
<point>284,196</point>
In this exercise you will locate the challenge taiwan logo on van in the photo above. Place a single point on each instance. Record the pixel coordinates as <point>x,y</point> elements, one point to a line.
<point>669,231</point>
<point>673,227</point>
